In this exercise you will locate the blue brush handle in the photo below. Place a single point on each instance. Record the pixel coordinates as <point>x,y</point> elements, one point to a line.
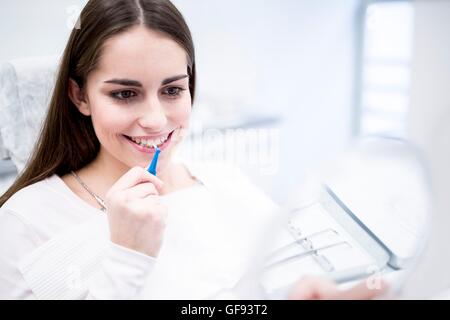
<point>152,168</point>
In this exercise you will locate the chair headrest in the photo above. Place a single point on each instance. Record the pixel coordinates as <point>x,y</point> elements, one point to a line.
<point>26,86</point>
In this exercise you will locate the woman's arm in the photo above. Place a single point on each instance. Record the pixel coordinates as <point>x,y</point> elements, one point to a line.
<point>31,269</point>
<point>16,241</point>
<point>122,274</point>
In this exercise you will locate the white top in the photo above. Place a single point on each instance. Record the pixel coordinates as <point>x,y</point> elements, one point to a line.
<point>53,245</point>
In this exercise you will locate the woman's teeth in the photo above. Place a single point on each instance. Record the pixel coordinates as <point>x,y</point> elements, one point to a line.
<point>150,143</point>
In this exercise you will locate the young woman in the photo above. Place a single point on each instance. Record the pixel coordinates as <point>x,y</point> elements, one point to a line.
<point>84,219</point>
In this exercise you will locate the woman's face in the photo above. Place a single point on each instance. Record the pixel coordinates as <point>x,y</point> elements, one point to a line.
<point>138,97</point>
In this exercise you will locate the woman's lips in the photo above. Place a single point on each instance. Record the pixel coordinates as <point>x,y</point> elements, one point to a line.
<point>150,150</point>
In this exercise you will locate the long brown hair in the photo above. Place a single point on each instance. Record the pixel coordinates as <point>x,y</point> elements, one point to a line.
<point>67,140</point>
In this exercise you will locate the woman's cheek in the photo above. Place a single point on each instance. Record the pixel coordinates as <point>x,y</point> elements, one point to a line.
<point>182,125</point>
<point>183,115</point>
<point>109,121</point>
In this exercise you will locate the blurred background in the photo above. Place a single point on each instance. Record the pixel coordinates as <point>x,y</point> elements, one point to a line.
<point>315,74</point>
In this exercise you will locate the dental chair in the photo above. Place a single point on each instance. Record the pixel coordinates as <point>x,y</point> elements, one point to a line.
<point>25,91</point>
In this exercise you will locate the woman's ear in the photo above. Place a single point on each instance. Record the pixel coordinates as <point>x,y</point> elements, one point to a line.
<point>77,95</point>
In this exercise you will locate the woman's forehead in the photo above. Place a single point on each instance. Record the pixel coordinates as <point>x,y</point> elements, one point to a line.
<point>142,53</point>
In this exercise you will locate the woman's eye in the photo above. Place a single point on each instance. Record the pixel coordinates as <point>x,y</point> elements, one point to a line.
<point>173,91</point>
<point>124,95</point>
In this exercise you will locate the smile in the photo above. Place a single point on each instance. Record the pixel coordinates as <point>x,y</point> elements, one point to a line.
<point>146,143</point>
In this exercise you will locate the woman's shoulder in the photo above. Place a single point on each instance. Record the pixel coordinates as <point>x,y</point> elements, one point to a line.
<point>46,206</point>
<point>32,196</point>
<point>220,174</point>
<point>46,202</point>
<point>216,175</point>
<point>231,180</point>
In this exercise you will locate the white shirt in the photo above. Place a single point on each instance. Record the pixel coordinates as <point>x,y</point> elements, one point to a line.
<point>53,245</point>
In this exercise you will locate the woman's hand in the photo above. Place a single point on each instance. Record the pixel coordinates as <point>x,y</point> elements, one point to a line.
<point>315,288</point>
<point>136,217</point>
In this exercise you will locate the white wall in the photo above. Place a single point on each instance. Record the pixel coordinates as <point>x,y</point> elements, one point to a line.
<point>430,129</point>
<point>30,28</point>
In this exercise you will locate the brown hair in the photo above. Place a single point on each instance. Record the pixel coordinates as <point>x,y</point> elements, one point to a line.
<point>67,140</point>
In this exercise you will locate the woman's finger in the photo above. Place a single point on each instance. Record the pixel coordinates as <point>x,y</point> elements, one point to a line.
<point>135,176</point>
<point>361,291</point>
<point>141,191</point>
<point>313,288</point>
<point>151,202</point>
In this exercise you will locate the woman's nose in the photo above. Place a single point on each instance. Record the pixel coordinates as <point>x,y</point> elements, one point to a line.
<point>153,115</point>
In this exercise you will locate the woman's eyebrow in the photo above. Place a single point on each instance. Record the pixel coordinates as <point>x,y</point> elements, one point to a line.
<point>134,83</point>
<point>125,82</point>
<point>175,78</point>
